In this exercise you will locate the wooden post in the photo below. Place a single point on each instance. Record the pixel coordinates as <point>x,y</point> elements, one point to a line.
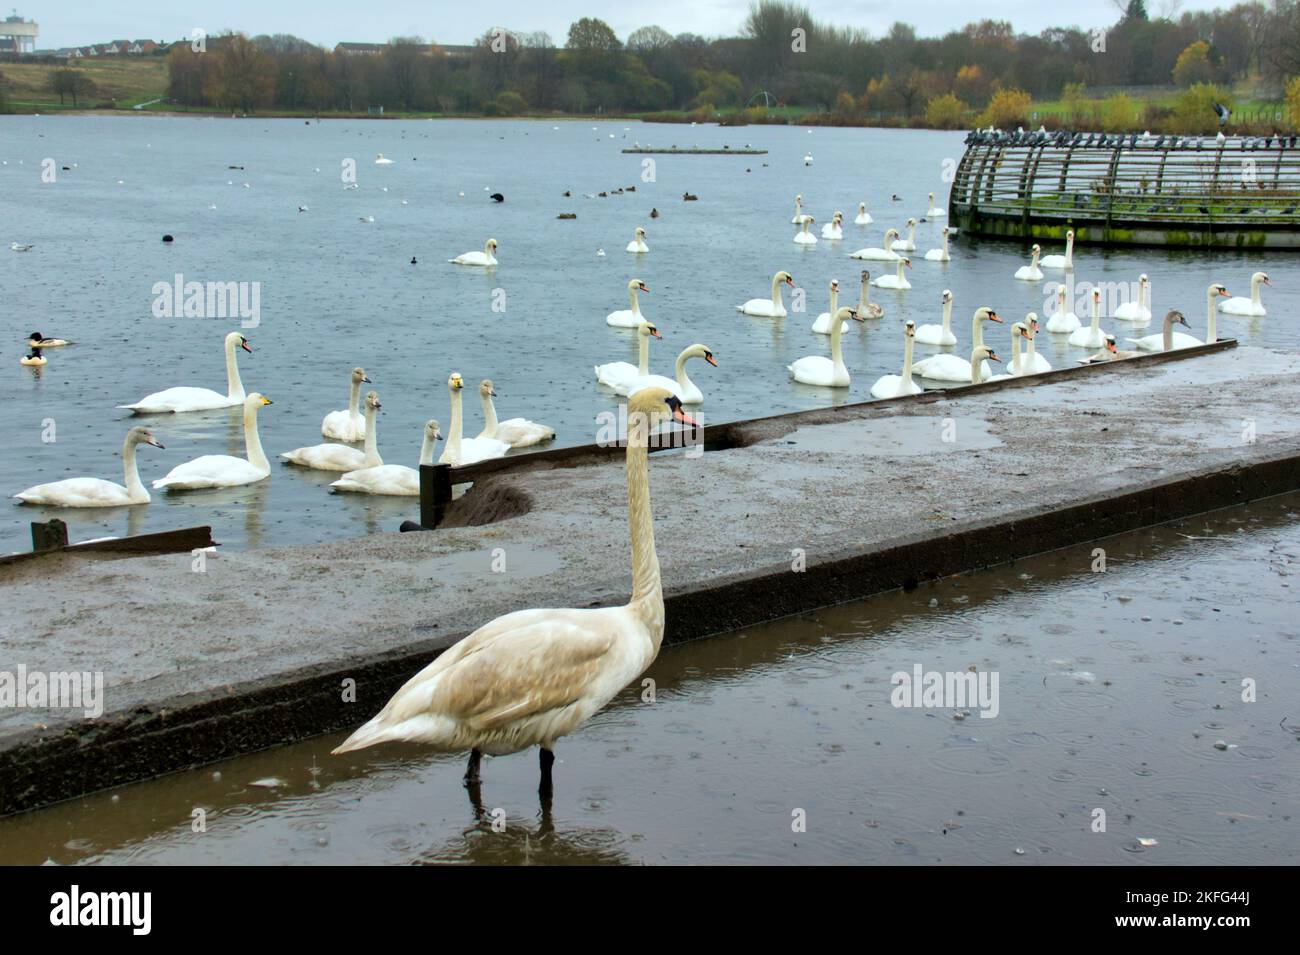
<point>435,493</point>
<point>49,536</point>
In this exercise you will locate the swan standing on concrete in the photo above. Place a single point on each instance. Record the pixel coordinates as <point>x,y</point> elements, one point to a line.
<point>1091,337</point>
<point>461,450</point>
<point>940,254</point>
<point>1062,322</point>
<point>348,424</point>
<point>620,374</point>
<point>819,370</point>
<point>681,386</point>
<point>895,386</point>
<point>533,676</point>
<point>1066,261</point>
<point>516,432</point>
<point>773,307</point>
<point>939,334</point>
<point>629,317</point>
<point>952,368</point>
<point>638,242</point>
<point>224,470</point>
<point>895,281</point>
<point>392,479</point>
<point>199,399</point>
<point>1252,306</point>
<point>878,254</point>
<point>94,492</point>
<point>863,217</point>
<point>908,244</point>
<point>1134,311</point>
<point>340,457</point>
<point>1031,272</point>
<point>1166,340</point>
<point>485,259</point>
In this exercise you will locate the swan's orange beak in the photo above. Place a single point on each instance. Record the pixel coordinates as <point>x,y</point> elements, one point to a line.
<point>643,288</point>
<point>684,418</point>
<point>655,333</point>
<point>993,316</point>
<point>710,359</point>
<point>993,357</point>
<point>1223,292</point>
<point>790,281</point>
<point>244,345</point>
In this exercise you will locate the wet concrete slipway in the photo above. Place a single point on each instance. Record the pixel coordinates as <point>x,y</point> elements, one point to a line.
<point>1116,688</point>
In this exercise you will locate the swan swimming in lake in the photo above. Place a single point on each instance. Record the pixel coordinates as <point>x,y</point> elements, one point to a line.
<point>773,307</point>
<point>1168,339</point>
<point>516,432</point>
<point>391,479</point>
<point>940,254</point>
<point>340,457</point>
<point>895,281</point>
<point>939,334</point>
<point>1252,306</point>
<point>951,367</point>
<point>803,236</point>
<point>94,492</point>
<point>1031,272</point>
<point>381,161</point>
<point>533,676</point>
<point>484,259</point>
<point>932,212</point>
<point>834,229</point>
<point>461,450</point>
<point>863,217</point>
<point>877,254</point>
<point>618,375</point>
<point>908,244</point>
<point>1066,261</point>
<point>224,470</point>
<point>1091,337</point>
<point>348,424</point>
<point>1133,311</point>
<point>1032,363</point>
<point>799,214</point>
<point>184,399</point>
<point>1062,321</point>
<point>629,317</point>
<point>819,370</point>
<point>895,386</point>
<point>638,242</point>
<point>680,385</point>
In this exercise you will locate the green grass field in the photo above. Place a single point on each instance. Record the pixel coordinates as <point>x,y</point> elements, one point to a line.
<point>122,80</point>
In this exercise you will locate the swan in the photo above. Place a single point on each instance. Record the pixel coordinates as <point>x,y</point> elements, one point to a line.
<point>340,457</point>
<point>1239,305</point>
<point>1168,339</point>
<point>392,479</point>
<point>773,307</point>
<point>822,325</point>
<point>619,374</point>
<point>866,308</point>
<point>681,385</point>
<point>939,334</point>
<point>1091,337</point>
<point>833,229</point>
<point>1031,272</point>
<point>348,425</point>
<point>932,212</point>
<point>199,399</point>
<point>460,450</point>
<point>979,356</point>
<point>93,492</point>
<point>807,159</point>
<point>803,236</point>
<point>1061,261</point>
<point>1032,363</point>
<point>638,242</point>
<point>35,358</point>
<point>950,367</point>
<point>799,214</point>
<point>516,432</point>
<point>878,254</point>
<point>863,217</point>
<point>484,259</point>
<point>532,676</point>
<point>819,370</point>
<point>1108,353</point>
<point>224,470</point>
<point>908,244</point>
<point>895,386</point>
<point>1134,311</point>
<point>381,161</point>
<point>1018,331</point>
<point>37,340</point>
<point>896,280</point>
<point>629,317</point>
<point>1062,322</point>
<point>940,254</point>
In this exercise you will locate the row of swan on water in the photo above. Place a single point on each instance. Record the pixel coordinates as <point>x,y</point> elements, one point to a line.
<point>363,471</point>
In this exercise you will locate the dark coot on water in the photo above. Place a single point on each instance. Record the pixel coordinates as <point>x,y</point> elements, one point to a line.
<point>413,262</point>
<point>497,197</point>
<point>168,238</point>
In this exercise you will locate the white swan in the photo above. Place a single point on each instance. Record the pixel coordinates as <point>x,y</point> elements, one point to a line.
<point>681,385</point>
<point>638,242</point>
<point>773,307</point>
<point>94,492</point>
<point>1031,272</point>
<point>939,334</point>
<point>1018,331</point>
<point>799,214</point>
<point>1243,306</point>
<point>1032,363</point>
<point>1134,311</point>
<point>950,367</point>
<point>381,161</point>
<point>863,217</point>
<point>940,254</point>
<point>532,676</point>
<point>822,324</point>
<point>1061,261</point>
<point>932,212</point>
<point>980,356</point>
<point>340,457</point>
<point>1062,322</point>
<point>348,424</point>
<point>484,259</point>
<point>908,244</point>
<point>516,432</point>
<point>834,229</point>
<point>820,370</point>
<point>1091,337</point>
<point>1168,339</point>
<point>461,450</point>
<point>619,374</point>
<point>629,317</point>
<point>895,386</point>
<point>877,254</point>
<point>391,479</point>
<point>199,399</point>
<point>896,280</point>
<point>803,236</point>
<point>37,340</point>
<point>224,470</point>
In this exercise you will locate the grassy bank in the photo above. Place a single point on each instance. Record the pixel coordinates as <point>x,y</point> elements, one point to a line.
<point>120,82</point>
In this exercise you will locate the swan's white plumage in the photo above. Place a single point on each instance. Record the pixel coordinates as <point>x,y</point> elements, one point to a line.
<point>182,399</point>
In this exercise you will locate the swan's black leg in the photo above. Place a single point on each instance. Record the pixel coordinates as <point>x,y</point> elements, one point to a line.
<point>471,769</point>
<point>546,758</point>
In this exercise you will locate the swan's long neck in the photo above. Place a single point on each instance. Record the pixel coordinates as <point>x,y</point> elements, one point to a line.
<point>426,449</point>
<point>1210,329</point>
<point>776,293</point>
<point>1254,291</point>
<point>684,383</point>
<point>489,416</point>
<point>252,442</point>
<point>1031,350</point>
<point>234,386</point>
<point>863,297</point>
<point>647,592</point>
<point>835,300</point>
<point>1168,335</point>
<point>974,367</point>
<point>1033,261</point>
<point>131,474</point>
<point>454,435</point>
<point>899,273</point>
<point>372,438</point>
<point>945,243</point>
<point>487,249</point>
<point>977,331</point>
<point>1142,294</point>
<point>1096,313</point>
<point>643,356</point>
<point>837,331</point>
<point>911,233</point>
<point>631,295</point>
<point>907,361</point>
<point>354,400</point>
<point>1015,352</point>
<point>1069,250</point>
<point>947,316</point>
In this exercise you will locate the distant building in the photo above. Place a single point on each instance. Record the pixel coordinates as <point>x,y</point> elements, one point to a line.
<point>18,35</point>
<point>360,49</point>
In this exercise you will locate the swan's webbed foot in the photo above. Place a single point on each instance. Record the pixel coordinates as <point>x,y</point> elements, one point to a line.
<point>546,759</point>
<point>471,768</point>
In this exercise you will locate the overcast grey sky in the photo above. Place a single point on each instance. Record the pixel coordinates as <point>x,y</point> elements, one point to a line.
<point>73,22</point>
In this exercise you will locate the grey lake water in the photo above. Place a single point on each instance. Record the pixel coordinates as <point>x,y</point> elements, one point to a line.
<point>1144,716</point>
<point>337,292</point>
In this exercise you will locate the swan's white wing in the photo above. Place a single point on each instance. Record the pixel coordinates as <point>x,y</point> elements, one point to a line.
<point>652,381</point>
<point>473,450</point>
<point>395,479</point>
<point>210,470</point>
<point>344,426</point>
<point>521,433</point>
<point>182,399</point>
<point>813,370</point>
<point>327,457</point>
<point>76,492</point>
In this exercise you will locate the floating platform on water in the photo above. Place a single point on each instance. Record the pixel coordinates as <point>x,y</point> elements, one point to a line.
<point>695,151</point>
<point>1237,192</point>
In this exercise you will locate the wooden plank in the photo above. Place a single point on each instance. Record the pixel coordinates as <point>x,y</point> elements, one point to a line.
<point>163,542</point>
